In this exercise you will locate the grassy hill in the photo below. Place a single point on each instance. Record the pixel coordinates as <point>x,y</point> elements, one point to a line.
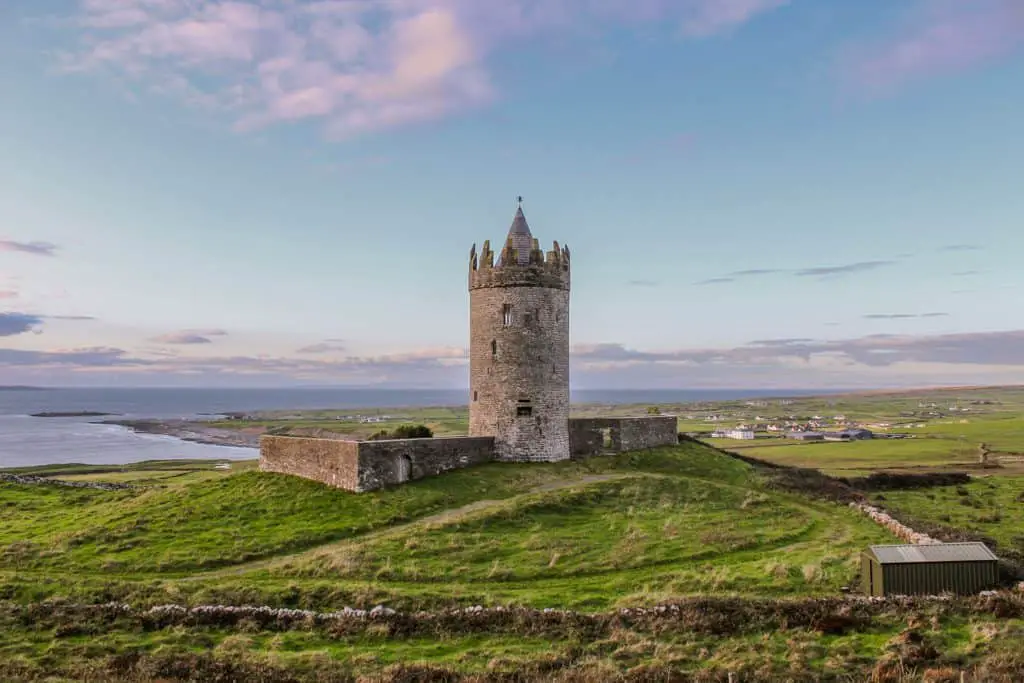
<point>635,530</point>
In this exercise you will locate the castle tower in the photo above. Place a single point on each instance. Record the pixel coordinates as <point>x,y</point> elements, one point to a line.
<point>519,347</point>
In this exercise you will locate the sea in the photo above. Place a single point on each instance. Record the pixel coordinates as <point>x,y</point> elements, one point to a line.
<point>26,440</point>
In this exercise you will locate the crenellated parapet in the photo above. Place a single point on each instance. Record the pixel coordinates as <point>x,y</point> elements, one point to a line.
<point>511,269</point>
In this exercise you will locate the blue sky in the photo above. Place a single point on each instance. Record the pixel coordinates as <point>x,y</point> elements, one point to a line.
<point>757,193</point>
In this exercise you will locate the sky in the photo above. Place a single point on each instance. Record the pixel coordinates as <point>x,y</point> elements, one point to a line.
<point>756,193</point>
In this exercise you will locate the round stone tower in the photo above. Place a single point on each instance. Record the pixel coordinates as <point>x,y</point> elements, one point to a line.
<point>519,347</point>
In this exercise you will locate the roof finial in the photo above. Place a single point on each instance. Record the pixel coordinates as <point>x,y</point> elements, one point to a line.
<point>520,200</point>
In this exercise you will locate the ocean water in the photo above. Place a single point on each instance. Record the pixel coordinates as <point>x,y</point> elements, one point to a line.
<point>26,440</point>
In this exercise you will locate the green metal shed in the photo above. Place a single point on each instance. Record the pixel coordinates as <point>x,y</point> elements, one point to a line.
<point>928,569</point>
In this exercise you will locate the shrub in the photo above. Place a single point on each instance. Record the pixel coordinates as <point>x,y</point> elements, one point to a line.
<point>403,432</point>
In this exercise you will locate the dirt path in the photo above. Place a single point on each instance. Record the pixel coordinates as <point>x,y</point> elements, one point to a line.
<point>437,518</point>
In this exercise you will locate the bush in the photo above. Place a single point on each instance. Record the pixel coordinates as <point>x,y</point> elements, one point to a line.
<point>403,432</point>
<point>654,410</point>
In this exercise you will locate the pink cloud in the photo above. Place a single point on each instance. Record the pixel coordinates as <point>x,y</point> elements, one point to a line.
<point>938,37</point>
<point>352,65</point>
<point>8,294</point>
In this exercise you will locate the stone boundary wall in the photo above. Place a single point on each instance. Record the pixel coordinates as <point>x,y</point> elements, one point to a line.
<point>330,461</point>
<point>361,466</point>
<point>896,527</point>
<point>30,480</point>
<point>587,435</point>
<point>380,462</point>
<point>712,615</point>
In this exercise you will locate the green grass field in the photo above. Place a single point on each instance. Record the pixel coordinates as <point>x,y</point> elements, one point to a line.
<point>638,529</point>
<point>993,506</point>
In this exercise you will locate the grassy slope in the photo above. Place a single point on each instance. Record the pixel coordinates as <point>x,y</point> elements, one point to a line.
<point>687,520</point>
<point>678,521</point>
<point>993,506</point>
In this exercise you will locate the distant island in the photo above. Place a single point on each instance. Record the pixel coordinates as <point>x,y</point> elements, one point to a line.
<point>80,413</point>
<point>18,387</point>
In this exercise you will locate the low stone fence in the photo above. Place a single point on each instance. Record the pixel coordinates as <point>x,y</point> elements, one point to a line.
<point>29,480</point>
<point>898,529</point>
<point>711,615</point>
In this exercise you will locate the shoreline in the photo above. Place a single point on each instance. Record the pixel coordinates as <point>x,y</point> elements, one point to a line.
<point>190,431</point>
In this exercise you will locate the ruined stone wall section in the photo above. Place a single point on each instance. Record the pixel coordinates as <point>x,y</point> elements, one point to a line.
<point>380,461</point>
<point>329,461</point>
<point>519,365</point>
<point>360,466</point>
<point>638,433</point>
<point>587,435</point>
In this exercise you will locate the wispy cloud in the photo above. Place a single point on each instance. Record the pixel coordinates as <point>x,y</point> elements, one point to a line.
<point>780,342</point>
<point>36,248</point>
<point>644,283</point>
<point>961,247</point>
<point>847,269</point>
<point>355,65</point>
<point>8,294</point>
<point>817,271</point>
<point>937,37</point>
<point>903,316</point>
<point>880,359</point>
<point>709,18</point>
<point>12,324</point>
<point>323,347</point>
<point>189,337</point>
<point>752,272</point>
<point>988,348</point>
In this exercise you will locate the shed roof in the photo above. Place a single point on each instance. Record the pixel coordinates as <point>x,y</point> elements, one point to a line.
<point>937,552</point>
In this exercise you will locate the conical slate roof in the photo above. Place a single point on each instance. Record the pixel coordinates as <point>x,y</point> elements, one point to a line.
<point>521,238</point>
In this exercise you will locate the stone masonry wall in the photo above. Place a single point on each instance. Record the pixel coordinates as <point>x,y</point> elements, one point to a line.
<point>587,435</point>
<point>380,462</point>
<point>521,365</point>
<point>638,433</point>
<point>360,466</point>
<point>330,461</point>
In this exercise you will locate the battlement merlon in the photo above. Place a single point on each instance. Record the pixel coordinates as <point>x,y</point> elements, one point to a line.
<point>541,269</point>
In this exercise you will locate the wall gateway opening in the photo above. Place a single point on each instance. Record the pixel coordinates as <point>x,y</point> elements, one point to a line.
<point>403,469</point>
